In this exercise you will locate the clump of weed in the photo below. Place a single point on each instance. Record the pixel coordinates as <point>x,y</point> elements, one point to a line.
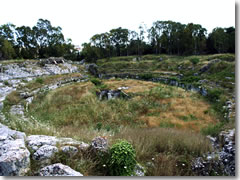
<point>214,94</point>
<point>213,130</point>
<point>98,83</point>
<point>122,159</point>
<point>194,61</point>
<point>39,80</point>
<point>6,83</point>
<point>146,76</point>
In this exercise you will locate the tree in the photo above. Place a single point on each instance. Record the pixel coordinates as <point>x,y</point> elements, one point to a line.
<point>194,39</point>
<point>26,42</point>
<point>231,39</point>
<point>219,40</point>
<point>48,38</point>
<point>119,39</point>
<point>6,49</point>
<point>7,32</point>
<point>7,41</point>
<point>89,52</point>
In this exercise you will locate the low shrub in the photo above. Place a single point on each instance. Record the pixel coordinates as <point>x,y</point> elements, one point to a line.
<point>214,94</point>
<point>194,61</point>
<point>39,80</point>
<point>213,130</point>
<point>190,79</point>
<point>147,76</point>
<point>6,83</point>
<point>96,82</point>
<point>122,159</point>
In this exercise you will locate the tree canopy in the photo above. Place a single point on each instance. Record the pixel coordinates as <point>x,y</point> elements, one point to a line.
<point>44,40</point>
<point>40,41</point>
<point>167,37</point>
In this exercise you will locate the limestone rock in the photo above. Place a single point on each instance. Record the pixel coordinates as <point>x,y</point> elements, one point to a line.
<point>45,152</point>
<point>83,146</point>
<point>69,150</point>
<point>34,142</point>
<point>92,68</point>
<point>139,170</point>
<point>111,94</point>
<point>58,170</point>
<point>98,144</point>
<point>14,156</point>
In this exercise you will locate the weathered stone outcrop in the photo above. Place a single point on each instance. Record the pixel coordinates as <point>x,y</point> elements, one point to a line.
<point>44,148</point>
<point>14,156</point>
<point>30,69</point>
<point>98,145</point>
<point>45,152</point>
<point>111,94</point>
<point>92,68</point>
<point>52,60</point>
<point>208,66</point>
<point>221,161</point>
<point>58,170</point>
<point>69,150</point>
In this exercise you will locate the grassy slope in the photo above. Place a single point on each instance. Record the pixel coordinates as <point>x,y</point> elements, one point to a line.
<point>162,123</point>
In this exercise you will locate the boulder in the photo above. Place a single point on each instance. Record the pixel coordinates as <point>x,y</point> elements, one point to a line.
<point>14,156</point>
<point>45,152</point>
<point>69,150</point>
<point>222,160</point>
<point>82,62</point>
<point>58,170</point>
<point>92,69</point>
<point>138,170</point>
<point>208,66</point>
<point>111,94</point>
<point>51,60</point>
<point>34,142</point>
<point>99,145</point>
<point>83,146</point>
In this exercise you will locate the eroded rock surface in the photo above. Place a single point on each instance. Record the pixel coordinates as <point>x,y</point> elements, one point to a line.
<point>111,94</point>
<point>58,170</point>
<point>14,156</point>
<point>44,147</point>
<point>222,160</point>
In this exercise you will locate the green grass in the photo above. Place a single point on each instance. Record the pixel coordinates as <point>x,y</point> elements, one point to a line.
<point>213,130</point>
<point>190,117</point>
<point>159,122</point>
<point>6,83</point>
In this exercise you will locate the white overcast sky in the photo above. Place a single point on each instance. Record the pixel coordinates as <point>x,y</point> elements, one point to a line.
<point>81,19</point>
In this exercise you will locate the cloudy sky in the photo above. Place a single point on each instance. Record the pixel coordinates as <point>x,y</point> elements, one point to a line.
<point>81,19</point>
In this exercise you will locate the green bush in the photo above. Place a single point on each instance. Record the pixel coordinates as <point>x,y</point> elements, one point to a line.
<point>39,80</point>
<point>213,130</point>
<point>214,94</point>
<point>194,60</point>
<point>96,82</point>
<point>6,83</point>
<point>190,79</point>
<point>146,76</point>
<point>98,126</point>
<point>122,159</point>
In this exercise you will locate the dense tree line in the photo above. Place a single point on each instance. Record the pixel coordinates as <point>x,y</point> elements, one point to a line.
<point>168,37</point>
<point>40,41</point>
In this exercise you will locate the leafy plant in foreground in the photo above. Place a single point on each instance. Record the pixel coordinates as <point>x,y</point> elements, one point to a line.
<point>122,159</point>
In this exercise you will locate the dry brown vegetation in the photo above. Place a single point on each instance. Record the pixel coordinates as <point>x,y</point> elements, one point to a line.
<point>161,122</point>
